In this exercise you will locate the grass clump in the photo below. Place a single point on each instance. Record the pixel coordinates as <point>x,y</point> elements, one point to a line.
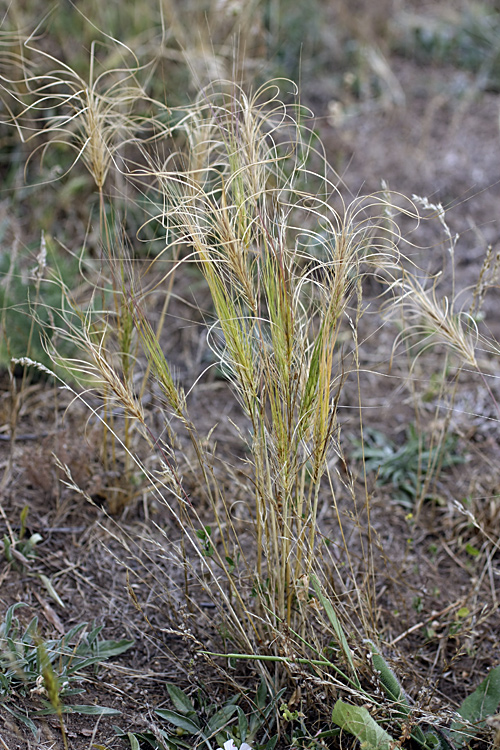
<point>251,202</point>
<point>283,268</point>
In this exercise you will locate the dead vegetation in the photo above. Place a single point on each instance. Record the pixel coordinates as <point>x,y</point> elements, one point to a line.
<point>263,418</point>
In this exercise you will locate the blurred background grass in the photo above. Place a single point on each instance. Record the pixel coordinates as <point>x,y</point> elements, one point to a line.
<point>345,56</point>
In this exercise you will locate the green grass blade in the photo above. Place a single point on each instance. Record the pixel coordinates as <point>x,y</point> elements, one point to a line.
<point>334,620</point>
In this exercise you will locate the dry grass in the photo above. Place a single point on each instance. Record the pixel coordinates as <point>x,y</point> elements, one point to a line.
<point>242,191</point>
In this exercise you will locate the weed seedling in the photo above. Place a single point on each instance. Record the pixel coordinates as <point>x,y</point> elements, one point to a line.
<point>203,724</point>
<point>406,466</point>
<point>48,669</point>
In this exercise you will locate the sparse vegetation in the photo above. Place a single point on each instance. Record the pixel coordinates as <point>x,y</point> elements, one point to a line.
<point>47,669</point>
<point>259,369</point>
<point>404,466</point>
<point>209,725</point>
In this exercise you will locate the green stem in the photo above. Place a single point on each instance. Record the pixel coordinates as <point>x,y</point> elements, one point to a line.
<point>287,660</point>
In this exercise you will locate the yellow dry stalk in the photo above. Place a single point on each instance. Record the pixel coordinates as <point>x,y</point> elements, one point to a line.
<point>97,149</point>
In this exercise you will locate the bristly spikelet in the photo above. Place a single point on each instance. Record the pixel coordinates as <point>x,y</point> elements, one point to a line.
<point>434,321</point>
<point>51,684</point>
<point>95,117</point>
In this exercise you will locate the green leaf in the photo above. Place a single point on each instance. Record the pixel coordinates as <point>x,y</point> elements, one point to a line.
<point>261,694</point>
<point>31,631</point>
<point>89,710</point>
<point>107,649</point>
<point>476,707</point>
<point>433,741</point>
<point>242,724</point>
<point>72,633</point>
<point>342,640</point>
<point>180,700</point>
<point>90,639</point>
<point>472,551</point>
<point>204,533</point>
<point>189,725</point>
<point>394,691</point>
<point>23,516</point>
<point>67,692</point>
<point>220,719</point>
<point>134,743</point>
<point>50,589</point>
<point>6,550</point>
<point>104,650</point>
<point>327,734</point>
<point>22,718</point>
<point>388,679</point>
<point>357,721</point>
<point>5,630</point>
<point>484,700</point>
<point>168,743</point>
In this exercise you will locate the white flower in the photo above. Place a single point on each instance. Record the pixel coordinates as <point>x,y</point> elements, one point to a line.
<point>229,745</point>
